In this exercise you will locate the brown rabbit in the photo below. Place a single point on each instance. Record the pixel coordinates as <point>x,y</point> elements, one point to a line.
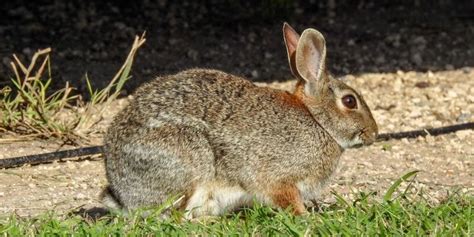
<point>221,142</point>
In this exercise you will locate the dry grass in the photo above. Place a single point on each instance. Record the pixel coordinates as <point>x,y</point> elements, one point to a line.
<point>30,108</point>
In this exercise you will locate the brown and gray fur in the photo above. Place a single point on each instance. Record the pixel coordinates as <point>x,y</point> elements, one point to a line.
<point>222,142</point>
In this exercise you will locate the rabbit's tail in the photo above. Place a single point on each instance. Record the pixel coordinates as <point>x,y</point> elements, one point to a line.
<point>109,199</point>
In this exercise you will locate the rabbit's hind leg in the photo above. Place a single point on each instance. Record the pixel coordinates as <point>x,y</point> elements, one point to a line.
<point>160,163</point>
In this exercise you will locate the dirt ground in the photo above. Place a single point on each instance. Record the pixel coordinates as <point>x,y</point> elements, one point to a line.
<point>400,101</point>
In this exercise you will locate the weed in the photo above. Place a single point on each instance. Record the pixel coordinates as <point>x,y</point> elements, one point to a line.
<point>386,147</point>
<point>30,107</point>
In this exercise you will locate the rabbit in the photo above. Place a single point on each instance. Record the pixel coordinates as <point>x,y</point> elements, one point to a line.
<point>220,143</point>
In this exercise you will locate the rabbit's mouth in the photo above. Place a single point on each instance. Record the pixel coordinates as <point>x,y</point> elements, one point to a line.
<point>361,138</point>
<point>367,136</point>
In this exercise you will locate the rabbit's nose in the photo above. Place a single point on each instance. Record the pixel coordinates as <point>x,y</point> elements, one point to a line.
<point>374,131</point>
<point>371,136</point>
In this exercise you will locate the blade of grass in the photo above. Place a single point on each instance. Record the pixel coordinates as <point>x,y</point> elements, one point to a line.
<point>388,195</point>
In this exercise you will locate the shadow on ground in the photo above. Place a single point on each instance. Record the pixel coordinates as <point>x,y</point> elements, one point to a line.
<point>236,36</point>
<point>93,213</point>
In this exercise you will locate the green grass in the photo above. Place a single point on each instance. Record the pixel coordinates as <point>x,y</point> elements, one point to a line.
<point>362,217</point>
<point>407,214</point>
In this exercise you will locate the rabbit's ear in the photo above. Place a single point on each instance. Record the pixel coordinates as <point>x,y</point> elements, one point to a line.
<point>291,42</point>
<point>311,61</point>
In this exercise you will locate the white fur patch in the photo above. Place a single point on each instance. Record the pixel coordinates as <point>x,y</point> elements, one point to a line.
<point>350,143</point>
<point>214,200</point>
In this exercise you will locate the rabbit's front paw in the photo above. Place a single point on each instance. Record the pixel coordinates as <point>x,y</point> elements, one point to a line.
<point>286,196</point>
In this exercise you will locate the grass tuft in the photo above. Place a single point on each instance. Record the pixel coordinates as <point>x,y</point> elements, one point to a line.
<point>29,107</point>
<point>101,99</point>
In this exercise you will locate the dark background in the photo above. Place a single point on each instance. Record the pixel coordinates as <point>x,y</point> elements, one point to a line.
<point>241,37</point>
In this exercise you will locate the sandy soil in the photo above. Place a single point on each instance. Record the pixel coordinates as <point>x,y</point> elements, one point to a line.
<point>399,101</point>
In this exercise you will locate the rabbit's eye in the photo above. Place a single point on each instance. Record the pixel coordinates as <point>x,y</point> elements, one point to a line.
<point>349,101</point>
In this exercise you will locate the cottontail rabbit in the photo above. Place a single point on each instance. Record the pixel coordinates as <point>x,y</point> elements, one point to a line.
<point>221,142</point>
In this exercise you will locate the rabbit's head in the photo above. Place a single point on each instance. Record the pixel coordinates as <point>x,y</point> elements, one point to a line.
<point>338,108</point>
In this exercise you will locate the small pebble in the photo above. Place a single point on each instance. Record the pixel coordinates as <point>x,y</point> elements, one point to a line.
<point>463,134</point>
<point>255,74</point>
